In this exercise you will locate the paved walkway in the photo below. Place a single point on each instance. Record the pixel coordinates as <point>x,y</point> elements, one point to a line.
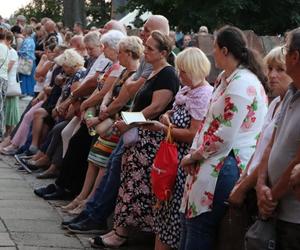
<point>28,222</point>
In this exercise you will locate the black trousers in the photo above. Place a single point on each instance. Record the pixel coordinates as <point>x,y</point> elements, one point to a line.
<point>75,164</point>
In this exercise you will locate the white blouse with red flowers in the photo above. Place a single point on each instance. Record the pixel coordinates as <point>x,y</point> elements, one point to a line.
<point>233,122</point>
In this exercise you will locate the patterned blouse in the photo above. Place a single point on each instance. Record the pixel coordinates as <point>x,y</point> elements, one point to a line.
<point>27,49</point>
<point>233,122</point>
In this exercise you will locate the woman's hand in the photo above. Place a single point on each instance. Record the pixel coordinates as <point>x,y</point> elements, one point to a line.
<point>91,122</point>
<point>237,195</point>
<point>121,126</point>
<point>165,119</point>
<point>188,164</point>
<point>62,108</point>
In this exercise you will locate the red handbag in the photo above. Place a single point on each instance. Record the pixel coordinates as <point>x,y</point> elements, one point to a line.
<point>164,169</point>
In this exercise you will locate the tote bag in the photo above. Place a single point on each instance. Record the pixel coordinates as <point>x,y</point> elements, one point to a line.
<point>25,66</point>
<point>164,169</point>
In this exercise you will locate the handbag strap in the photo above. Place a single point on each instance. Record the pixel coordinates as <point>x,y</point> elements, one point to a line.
<point>169,134</point>
<point>5,58</point>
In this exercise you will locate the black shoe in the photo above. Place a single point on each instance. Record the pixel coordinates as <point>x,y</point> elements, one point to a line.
<point>58,194</point>
<point>87,226</point>
<point>41,192</point>
<point>82,216</point>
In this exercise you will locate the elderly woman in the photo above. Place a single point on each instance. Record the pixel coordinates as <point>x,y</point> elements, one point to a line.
<point>73,65</point>
<point>116,99</point>
<point>71,179</point>
<point>224,145</point>
<point>27,52</point>
<point>106,79</point>
<point>186,116</point>
<point>135,199</point>
<point>278,82</point>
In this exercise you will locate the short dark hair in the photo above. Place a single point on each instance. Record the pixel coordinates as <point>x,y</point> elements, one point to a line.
<point>16,29</point>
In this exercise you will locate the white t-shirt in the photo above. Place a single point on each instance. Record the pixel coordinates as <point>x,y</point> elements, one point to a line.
<point>99,65</point>
<point>4,54</point>
<point>39,86</point>
<point>265,135</point>
<point>12,74</point>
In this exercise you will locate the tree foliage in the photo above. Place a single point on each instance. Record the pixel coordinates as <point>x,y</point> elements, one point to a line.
<point>262,16</point>
<point>42,8</point>
<point>97,11</point>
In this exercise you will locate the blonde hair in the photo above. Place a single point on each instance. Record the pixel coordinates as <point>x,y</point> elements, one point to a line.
<point>194,62</point>
<point>132,44</point>
<point>70,58</point>
<point>275,57</point>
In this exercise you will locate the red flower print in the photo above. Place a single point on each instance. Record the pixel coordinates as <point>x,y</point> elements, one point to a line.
<point>228,116</point>
<point>251,91</point>
<point>214,125</point>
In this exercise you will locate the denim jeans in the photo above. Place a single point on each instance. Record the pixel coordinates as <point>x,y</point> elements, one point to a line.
<point>103,203</point>
<point>199,233</point>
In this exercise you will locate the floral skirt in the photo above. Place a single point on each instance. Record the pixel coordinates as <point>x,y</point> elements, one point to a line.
<point>135,199</point>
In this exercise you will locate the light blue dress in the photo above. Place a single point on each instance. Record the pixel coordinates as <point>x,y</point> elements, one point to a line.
<point>27,51</point>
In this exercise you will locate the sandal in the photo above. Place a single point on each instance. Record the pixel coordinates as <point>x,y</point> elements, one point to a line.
<point>99,242</point>
<point>72,205</point>
<point>78,209</point>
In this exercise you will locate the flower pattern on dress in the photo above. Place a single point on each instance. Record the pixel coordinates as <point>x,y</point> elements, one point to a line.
<point>234,119</point>
<point>250,118</point>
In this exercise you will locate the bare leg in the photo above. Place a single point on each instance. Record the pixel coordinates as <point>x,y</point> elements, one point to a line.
<point>37,125</point>
<point>101,172</point>
<point>89,181</point>
<point>91,175</point>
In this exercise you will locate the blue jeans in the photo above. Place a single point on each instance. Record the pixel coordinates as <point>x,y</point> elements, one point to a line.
<point>103,203</point>
<point>199,233</point>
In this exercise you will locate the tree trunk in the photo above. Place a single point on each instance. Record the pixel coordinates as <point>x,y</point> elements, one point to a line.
<point>74,11</point>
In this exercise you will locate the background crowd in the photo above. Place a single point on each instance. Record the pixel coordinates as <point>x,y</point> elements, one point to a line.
<point>232,140</point>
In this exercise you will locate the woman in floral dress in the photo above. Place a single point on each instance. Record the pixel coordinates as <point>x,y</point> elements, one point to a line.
<point>224,145</point>
<point>187,115</point>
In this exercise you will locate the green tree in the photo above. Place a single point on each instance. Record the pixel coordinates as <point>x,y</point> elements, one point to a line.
<point>42,8</point>
<point>262,16</point>
<point>98,12</point>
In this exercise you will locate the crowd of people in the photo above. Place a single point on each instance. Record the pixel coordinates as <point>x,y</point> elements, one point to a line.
<point>230,136</point>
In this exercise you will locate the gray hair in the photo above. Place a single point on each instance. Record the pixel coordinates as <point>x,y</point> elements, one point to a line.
<point>112,39</point>
<point>28,30</point>
<point>21,18</point>
<point>93,38</point>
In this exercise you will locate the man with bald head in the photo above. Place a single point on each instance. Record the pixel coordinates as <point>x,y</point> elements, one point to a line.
<point>113,25</point>
<point>102,204</point>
